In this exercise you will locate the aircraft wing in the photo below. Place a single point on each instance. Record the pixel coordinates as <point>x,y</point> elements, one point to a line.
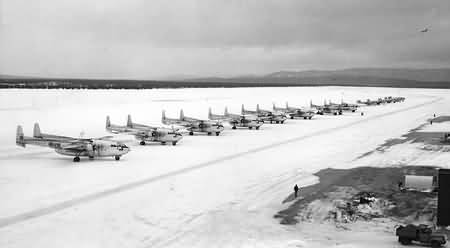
<point>79,146</point>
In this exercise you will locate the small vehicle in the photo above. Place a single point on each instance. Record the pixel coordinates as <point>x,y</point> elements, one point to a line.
<point>421,233</point>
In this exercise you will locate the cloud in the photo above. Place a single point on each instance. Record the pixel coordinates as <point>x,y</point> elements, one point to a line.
<point>141,39</point>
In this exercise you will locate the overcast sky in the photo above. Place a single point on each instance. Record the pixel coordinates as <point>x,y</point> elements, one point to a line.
<point>154,39</point>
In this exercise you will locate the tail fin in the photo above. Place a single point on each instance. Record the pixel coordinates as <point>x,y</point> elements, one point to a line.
<point>257,107</point>
<point>287,105</point>
<point>273,106</point>
<point>225,112</point>
<point>242,109</point>
<point>310,103</point>
<point>108,122</point>
<point>210,113</point>
<point>19,137</point>
<point>324,102</point>
<point>129,122</point>
<point>163,116</point>
<point>181,114</point>
<point>37,131</point>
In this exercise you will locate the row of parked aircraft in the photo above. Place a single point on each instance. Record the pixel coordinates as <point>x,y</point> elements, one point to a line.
<point>106,147</point>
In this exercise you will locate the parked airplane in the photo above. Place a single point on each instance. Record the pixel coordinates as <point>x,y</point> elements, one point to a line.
<point>391,99</point>
<point>369,102</point>
<point>326,109</point>
<point>265,115</point>
<point>145,133</point>
<point>94,147</point>
<point>193,124</point>
<point>294,112</point>
<point>247,121</point>
<point>345,106</point>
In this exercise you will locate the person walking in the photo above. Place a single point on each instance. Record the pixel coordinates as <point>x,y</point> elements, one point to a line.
<point>296,189</point>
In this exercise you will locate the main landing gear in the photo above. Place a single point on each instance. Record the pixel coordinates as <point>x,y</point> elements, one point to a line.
<point>217,133</point>
<point>191,133</point>
<point>76,159</point>
<point>142,143</point>
<point>117,157</point>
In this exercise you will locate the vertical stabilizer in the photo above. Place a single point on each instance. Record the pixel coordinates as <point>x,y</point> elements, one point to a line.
<point>273,106</point>
<point>19,137</point>
<point>257,108</point>
<point>310,103</point>
<point>242,109</point>
<point>37,131</point>
<point>287,105</point>
<point>129,121</point>
<point>181,114</point>
<point>225,112</point>
<point>108,122</point>
<point>163,116</point>
<point>210,113</point>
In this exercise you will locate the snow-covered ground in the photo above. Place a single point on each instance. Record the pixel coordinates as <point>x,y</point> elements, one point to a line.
<point>206,191</point>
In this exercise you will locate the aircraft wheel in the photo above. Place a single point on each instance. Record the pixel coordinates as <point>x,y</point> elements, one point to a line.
<point>91,157</point>
<point>142,143</point>
<point>163,143</point>
<point>117,157</point>
<point>335,113</point>
<point>340,113</point>
<point>174,143</point>
<point>292,117</point>
<point>209,133</point>
<point>310,117</point>
<point>191,133</point>
<point>257,128</point>
<point>282,122</point>
<point>250,127</point>
<point>76,159</point>
<point>217,133</point>
<point>353,111</point>
<point>233,127</point>
<point>271,122</point>
<point>277,122</point>
<point>305,118</point>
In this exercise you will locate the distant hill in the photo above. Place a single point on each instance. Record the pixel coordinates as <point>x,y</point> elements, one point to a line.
<point>369,77</point>
<point>425,75</point>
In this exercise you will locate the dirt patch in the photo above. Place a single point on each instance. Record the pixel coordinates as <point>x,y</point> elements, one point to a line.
<point>338,190</point>
<point>433,140</point>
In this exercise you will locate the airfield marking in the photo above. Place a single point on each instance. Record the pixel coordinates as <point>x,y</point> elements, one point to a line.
<point>4,222</point>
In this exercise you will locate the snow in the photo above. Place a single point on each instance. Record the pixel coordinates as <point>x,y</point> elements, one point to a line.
<point>206,191</point>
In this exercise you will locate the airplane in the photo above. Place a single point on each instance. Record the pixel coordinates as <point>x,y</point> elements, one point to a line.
<point>69,146</point>
<point>265,115</point>
<point>145,133</point>
<point>398,99</point>
<point>295,112</point>
<point>345,106</point>
<point>424,30</point>
<point>326,109</point>
<point>248,121</point>
<point>193,124</point>
<point>390,99</point>
<point>369,102</point>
